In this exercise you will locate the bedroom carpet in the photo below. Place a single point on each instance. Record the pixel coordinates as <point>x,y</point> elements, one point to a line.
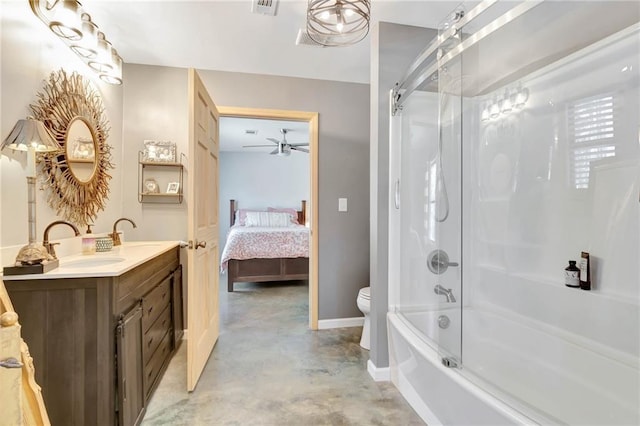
<point>267,368</point>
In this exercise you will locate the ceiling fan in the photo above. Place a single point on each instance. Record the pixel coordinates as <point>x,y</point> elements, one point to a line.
<point>284,148</point>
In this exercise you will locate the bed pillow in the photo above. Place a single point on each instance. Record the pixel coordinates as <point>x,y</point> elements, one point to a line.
<point>269,219</point>
<point>241,216</point>
<point>292,212</point>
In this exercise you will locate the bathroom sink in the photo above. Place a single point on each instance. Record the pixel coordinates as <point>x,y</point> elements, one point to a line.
<point>93,262</point>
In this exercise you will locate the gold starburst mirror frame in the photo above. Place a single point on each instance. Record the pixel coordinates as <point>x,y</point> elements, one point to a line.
<point>77,177</point>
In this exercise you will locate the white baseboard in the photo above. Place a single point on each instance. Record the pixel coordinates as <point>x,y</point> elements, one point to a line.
<point>378,374</point>
<point>340,323</point>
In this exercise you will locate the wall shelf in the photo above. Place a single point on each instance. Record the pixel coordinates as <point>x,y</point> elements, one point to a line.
<point>154,178</point>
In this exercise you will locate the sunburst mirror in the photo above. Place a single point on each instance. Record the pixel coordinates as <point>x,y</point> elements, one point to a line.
<point>77,177</point>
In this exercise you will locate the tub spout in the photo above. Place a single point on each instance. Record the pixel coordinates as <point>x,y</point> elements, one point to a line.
<point>447,292</point>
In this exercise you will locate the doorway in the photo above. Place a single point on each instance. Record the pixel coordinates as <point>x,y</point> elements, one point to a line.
<point>312,208</point>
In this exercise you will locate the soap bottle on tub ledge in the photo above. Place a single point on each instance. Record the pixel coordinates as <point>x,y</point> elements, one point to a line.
<point>572,275</point>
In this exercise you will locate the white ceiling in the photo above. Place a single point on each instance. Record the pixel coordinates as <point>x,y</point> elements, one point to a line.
<point>225,35</point>
<point>233,135</point>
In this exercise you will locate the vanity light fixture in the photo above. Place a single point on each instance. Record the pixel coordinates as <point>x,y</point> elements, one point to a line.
<point>338,22</point>
<point>32,136</point>
<point>513,100</point>
<point>74,26</point>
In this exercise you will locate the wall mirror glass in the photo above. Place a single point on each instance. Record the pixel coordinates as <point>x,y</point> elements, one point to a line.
<point>80,149</point>
<point>77,178</point>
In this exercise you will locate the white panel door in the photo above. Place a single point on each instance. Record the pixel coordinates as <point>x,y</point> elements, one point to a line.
<point>202,260</point>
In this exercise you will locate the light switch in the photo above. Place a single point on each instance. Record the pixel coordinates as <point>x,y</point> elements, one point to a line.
<point>342,204</point>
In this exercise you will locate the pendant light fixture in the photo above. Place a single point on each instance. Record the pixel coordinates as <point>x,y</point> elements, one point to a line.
<point>74,26</point>
<point>338,22</point>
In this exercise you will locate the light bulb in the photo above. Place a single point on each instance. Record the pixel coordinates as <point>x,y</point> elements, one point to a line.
<point>325,15</point>
<point>348,13</point>
<point>507,106</point>
<point>66,22</point>
<point>494,110</point>
<point>521,97</point>
<point>102,63</point>
<point>340,26</point>
<point>86,47</point>
<point>113,76</point>
<point>484,116</point>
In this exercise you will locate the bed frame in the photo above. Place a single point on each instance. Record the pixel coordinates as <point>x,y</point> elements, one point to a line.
<point>262,270</point>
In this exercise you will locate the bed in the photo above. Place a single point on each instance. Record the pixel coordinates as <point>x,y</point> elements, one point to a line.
<point>256,253</point>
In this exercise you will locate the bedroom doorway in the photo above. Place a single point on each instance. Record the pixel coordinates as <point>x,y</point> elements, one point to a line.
<point>311,118</point>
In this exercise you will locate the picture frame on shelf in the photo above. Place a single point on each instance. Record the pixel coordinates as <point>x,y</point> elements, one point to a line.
<point>173,188</point>
<point>159,151</point>
<point>151,186</point>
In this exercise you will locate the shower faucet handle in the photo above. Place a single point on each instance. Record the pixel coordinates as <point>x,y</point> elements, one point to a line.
<point>438,262</point>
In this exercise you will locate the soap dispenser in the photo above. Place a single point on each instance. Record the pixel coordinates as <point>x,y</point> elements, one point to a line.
<point>572,275</point>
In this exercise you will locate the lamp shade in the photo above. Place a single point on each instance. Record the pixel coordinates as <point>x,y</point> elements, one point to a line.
<point>30,133</point>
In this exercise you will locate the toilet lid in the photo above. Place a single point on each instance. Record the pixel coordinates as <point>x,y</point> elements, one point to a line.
<point>365,293</point>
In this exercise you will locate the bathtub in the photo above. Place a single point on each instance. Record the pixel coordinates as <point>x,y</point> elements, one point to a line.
<point>515,371</point>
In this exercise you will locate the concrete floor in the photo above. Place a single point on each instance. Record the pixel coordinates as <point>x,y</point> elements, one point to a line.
<point>268,368</point>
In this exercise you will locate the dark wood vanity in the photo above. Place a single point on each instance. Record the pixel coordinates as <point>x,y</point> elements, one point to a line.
<point>101,344</point>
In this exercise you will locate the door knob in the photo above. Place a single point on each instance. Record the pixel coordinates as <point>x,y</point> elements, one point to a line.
<point>200,244</point>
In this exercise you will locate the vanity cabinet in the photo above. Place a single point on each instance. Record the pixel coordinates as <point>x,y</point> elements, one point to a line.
<point>100,345</point>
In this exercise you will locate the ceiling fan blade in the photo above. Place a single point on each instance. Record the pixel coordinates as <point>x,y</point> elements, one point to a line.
<point>275,151</point>
<point>299,144</point>
<point>256,146</point>
<point>273,140</point>
<point>299,149</point>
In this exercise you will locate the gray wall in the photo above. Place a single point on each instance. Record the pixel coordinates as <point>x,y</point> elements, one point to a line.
<point>393,49</point>
<point>159,93</point>
<point>155,107</point>
<point>343,170</point>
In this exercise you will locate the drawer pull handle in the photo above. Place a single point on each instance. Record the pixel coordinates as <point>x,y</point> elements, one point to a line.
<point>10,363</point>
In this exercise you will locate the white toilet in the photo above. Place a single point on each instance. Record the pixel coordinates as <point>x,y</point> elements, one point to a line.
<point>364,304</point>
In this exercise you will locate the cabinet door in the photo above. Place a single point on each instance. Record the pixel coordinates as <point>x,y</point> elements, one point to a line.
<point>178,319</point>
<point>130,368</point>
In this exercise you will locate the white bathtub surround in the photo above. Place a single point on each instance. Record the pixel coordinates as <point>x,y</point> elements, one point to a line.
<point>440,395</point>
<point>516,358</point>
<point>526,191</point>
<point>340,323</point>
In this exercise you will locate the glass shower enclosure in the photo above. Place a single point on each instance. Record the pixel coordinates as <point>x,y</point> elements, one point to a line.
<point>516,138</point>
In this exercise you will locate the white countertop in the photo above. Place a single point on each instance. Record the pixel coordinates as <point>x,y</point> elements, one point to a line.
<point>106,264</point>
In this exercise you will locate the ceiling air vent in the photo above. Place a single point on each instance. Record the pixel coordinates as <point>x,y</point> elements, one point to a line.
<point>304,39</point>
<point>264,7</point>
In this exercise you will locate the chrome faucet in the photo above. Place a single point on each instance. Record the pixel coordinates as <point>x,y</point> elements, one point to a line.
<point>114,235</point>
<point>447,292</point>
<point>45,239</point>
